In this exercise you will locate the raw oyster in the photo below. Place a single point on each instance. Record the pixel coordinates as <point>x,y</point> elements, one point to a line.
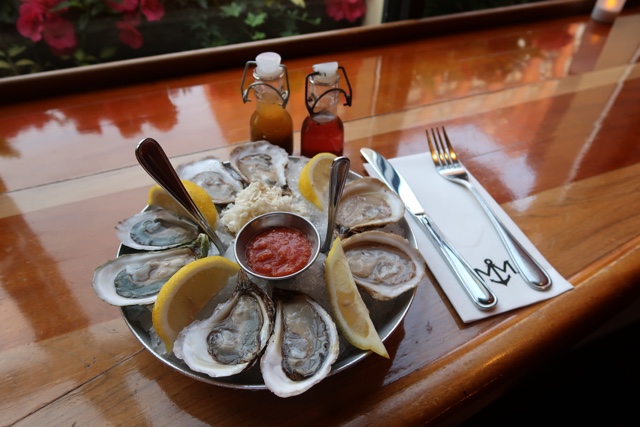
<point>156,229</point>
<point>136,279</point>
<point>303,346</point>
<point>260,161</point>
<point>233,337</point>
<point>383,264</point>
<point>368,202</point>
<point>219,181</point>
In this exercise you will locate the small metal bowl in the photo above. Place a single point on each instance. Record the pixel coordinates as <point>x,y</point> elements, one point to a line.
<point>271,220</point>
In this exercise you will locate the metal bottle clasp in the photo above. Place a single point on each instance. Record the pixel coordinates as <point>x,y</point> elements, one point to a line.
<point>311,107</point>
<point>284,95</point>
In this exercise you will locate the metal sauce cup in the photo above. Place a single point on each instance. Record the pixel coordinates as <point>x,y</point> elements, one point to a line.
<point>268,221</point>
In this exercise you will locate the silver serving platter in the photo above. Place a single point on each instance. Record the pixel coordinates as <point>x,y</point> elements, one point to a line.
<point>138,319</point>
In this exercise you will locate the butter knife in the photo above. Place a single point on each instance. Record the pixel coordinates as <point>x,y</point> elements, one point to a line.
<point>480,295</point>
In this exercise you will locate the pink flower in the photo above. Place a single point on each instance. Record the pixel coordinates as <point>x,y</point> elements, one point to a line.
<point>33,18</point>
<point>346,9</point>
<point>59,34</point>
<point>129,34</point>
<point>123,5</point>
<point>153,10</point>
<point>30,22</point>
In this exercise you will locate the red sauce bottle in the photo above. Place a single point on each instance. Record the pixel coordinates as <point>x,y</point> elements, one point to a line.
<point>323,131</point>
<point>270,121</point>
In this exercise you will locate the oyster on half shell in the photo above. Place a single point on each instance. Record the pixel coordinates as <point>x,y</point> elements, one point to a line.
<point>368,202</point>
<point>136,278</point>
<point>156,229</point>
<point>220,182</point>
<point>260,161</point>
<point>303,346</point>
<point>384,265</point>
<point>233,337</point>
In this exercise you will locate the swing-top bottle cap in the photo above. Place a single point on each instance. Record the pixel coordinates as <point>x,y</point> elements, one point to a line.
<point>327,72</point>
<point>268,65</point>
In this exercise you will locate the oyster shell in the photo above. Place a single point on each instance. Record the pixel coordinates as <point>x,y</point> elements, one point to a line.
<point>303,346</point>
<point>233,337</point>
<point>260,161</point>
<point>219,181</point>
<point>156,229</point>
<point>368,202</point>
<point>384,265</point>
<point>136,279</point>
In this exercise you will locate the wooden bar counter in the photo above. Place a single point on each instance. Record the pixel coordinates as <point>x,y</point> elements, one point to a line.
<point>545,114</point>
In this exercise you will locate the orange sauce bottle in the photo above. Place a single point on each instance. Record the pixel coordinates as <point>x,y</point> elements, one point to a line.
<point>270,121</point>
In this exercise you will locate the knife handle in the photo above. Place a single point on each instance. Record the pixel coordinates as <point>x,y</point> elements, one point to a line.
<point>481,296</point>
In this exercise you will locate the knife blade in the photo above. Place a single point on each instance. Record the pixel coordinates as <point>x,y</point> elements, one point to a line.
<point>480,295</point>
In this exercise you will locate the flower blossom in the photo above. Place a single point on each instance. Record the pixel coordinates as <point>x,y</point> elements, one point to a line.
<point>129,34</point>
<point>36,21</point>
<point>60,35</point>
<point>153,10</point>
<point>346,9</point>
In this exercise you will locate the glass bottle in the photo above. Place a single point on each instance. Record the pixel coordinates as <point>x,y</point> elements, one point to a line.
<point>322,131</point>
<point>270,120</point>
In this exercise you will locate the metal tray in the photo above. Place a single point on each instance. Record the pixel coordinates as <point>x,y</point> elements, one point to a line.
<point>386,316</point>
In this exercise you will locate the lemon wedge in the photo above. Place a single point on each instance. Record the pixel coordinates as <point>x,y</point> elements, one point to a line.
<point>157,196</point>
<point>349,310</point>
<point>314,179</point>
<point>187,292</point>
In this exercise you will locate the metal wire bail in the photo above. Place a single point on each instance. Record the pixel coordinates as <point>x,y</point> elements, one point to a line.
<point>347,96</point>
<point>284,95</point>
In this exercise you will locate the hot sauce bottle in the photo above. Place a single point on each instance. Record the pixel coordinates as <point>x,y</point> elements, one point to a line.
<point>322,131</point>
<point>270,121</point>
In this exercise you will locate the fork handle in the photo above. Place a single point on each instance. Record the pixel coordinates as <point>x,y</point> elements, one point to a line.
<point>531,271</point>
<point>481,296</point>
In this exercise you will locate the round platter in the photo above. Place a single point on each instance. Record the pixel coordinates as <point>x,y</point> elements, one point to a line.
<point>386,316</point>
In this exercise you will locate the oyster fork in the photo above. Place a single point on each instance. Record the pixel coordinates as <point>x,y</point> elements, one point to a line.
<point>449,167</point>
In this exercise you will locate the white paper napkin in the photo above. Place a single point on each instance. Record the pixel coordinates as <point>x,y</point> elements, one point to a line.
<point>464,224</point>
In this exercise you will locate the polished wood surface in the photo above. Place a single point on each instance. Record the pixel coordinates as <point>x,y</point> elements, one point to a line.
<point>544,114</point>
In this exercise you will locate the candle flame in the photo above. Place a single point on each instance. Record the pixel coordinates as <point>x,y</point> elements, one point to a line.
<point>610,4</point>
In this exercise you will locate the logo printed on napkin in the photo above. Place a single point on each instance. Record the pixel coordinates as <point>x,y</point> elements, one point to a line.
<point>458,215</point>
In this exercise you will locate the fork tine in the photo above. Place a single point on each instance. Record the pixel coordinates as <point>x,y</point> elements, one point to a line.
<point>451,153</point>
<point>435,152</point>
<point>442,152</point>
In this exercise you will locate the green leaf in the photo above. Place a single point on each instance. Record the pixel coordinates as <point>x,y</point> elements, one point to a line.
<point>234,10</point>
<point>108,52</point>
<point>254,20</point>
<point>83,21</point>
<point>25,63</point>
<point>79,55</point>
<point>5,65</point>
<point>16,50</point>
<point>258,35</point>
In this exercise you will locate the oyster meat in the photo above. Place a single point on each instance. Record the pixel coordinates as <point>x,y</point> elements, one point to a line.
<point>136,279</point>
<point>303,346</point>
<point>368,202</point>
<point>156,229</point>
<point>233,337</point>
<point>384,265</point>
<point>219,181</point>
<point>260,161</point>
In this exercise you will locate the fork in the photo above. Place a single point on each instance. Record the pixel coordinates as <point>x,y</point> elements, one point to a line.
<point>449,167</point>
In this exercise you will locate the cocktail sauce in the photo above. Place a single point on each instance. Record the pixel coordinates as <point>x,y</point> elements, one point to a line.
<point>278,251</point>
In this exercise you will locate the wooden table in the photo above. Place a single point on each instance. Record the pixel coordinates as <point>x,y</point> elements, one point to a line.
<point>544,113</point>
